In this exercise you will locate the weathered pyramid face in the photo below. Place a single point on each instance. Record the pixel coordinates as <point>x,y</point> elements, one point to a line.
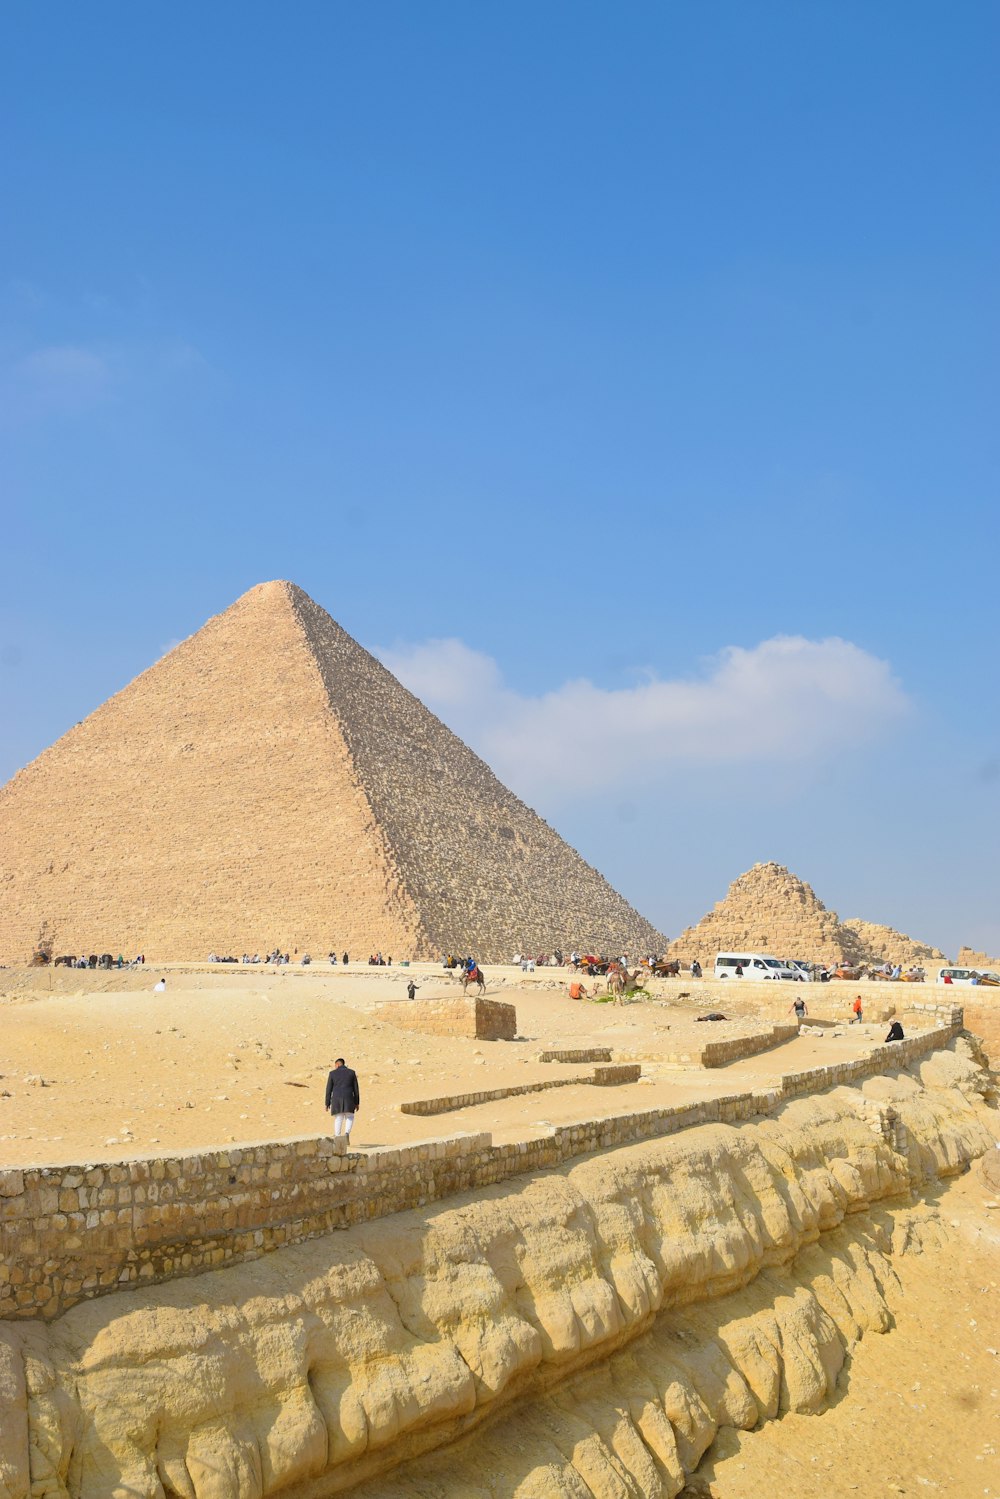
<point>269,783</point>
<point>884,944</point>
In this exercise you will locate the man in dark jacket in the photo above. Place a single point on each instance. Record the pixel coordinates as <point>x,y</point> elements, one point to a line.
<point>342,1097</point>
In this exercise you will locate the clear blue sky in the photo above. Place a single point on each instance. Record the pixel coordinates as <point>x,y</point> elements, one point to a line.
<point>599,339</point>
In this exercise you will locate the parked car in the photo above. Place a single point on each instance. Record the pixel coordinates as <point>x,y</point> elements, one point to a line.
<point>753,965</point>
<point>957,976</point>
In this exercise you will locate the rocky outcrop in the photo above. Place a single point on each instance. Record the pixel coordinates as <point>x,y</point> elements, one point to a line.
<point>267,783</point>
<point>332,1362</point>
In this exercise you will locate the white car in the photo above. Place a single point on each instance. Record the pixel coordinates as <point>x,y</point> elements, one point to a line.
<point>752,965</point>
<point>957,976</point>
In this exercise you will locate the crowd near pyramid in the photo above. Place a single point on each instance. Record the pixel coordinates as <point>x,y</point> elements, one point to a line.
<point>268,782</point>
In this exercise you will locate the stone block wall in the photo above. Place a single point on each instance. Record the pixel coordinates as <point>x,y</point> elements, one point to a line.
<point>623,1072</point>
<point>72,1232</point>
<point>718,1053</point>
<point>581,1054</point>
<point>476,1019</point>
<point>448,1102</point>
<point>603,1076</point>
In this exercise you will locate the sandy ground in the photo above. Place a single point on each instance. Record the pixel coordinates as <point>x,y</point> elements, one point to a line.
<point>99,1067</point>
<point>235,1055</point>
<point>918,1411</point>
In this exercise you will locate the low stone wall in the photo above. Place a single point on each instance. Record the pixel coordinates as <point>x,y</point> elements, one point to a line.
<point>605,1077</point>
<point>719,1053</point>
<point>449,1102</point>
<point>733,1049</point>
<point>72,1232</point>
<point>477,1019</point>
<point>621,1072</point>
<point>582,1054</point>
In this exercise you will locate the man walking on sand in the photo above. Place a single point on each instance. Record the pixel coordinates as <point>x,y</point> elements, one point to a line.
<point>342,1097</point>
<point>858,1012</point>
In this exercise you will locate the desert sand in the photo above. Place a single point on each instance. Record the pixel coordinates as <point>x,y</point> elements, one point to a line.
<point>725,1312</point>
<point>99,1066</point>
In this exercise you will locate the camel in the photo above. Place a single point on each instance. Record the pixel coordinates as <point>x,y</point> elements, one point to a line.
<point>474,977</point>
<point>620,981</point>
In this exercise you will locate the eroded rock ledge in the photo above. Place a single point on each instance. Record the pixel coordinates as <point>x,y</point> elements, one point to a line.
<point>331,1362</point>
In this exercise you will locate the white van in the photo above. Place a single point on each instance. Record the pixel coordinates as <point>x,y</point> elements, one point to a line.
<point>957,976</point>
<point>751,965</point>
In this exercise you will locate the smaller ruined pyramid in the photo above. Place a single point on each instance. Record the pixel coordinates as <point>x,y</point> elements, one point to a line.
<point>769,910</point>
<point>269,783</point>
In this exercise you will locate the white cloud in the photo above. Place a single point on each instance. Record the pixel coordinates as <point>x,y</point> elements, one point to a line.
<point>786,700</point>
<point>65,376</point>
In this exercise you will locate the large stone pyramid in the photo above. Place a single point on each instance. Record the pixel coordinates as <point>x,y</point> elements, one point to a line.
<point>269,783</point>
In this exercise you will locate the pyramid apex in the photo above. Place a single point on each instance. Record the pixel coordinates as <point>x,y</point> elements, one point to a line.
<point>268,587</point>
<point>268,594</point>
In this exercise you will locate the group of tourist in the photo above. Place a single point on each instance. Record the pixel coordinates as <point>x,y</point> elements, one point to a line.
<point>273,957</point>
<point>105,960</point>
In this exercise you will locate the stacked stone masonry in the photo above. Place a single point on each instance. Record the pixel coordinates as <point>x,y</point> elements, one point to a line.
<point>448,1102</point>
<point>72,1232</point>
<point>581,1054</point>
<point>603,1077</point>
<point>621,1072</point>
<point>719,1053</point>
<point>476,1019</point>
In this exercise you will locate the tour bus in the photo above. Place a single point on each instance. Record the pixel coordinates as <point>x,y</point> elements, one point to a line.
<point>752,965</point>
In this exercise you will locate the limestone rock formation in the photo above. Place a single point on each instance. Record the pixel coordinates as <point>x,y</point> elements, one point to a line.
<point>885,944</point>
<point>270,783</point>
<point>746,1255</point>
<point>770,910</point>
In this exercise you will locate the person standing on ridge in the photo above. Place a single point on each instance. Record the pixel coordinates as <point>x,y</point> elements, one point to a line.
<point>343,1098</point>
